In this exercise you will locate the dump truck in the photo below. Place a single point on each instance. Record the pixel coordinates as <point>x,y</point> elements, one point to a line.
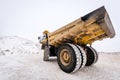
<point>72,43</point>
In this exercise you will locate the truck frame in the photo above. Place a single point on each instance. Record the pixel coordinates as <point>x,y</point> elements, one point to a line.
<point>72,42</point>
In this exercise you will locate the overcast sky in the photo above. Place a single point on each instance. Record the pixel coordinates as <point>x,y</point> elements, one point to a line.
<point>29,18</point>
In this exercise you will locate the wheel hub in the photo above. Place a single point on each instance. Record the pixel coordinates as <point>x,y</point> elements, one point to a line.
<point>65,57</point>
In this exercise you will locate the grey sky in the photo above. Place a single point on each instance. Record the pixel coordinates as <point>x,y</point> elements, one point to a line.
<point>29,18</point>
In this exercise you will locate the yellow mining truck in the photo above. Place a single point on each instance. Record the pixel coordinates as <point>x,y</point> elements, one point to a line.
<point>72,42</point>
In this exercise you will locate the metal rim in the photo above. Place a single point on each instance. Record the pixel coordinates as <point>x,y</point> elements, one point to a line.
<point>65,57</point>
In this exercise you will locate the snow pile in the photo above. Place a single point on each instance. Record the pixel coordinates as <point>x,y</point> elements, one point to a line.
<point>17,45</point>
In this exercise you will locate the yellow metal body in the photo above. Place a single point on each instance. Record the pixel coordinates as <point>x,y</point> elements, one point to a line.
<point>83,31</point>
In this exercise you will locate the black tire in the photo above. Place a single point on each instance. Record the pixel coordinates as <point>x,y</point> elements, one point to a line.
<point>92,55</point>
<point>74,59</point>
<point>84,56</point>
<point>95,54</point>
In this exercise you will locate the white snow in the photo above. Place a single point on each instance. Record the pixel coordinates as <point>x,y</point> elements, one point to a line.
<point>17,45</point>
<point>21,59</point>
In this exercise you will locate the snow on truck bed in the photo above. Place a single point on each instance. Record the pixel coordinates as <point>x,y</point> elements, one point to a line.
<point>21,59</point>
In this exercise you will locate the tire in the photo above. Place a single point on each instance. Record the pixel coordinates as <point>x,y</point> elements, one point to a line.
<point>69,58</point>
<point>92,56</point>
<point>84,56</point>
<point>95,54</point>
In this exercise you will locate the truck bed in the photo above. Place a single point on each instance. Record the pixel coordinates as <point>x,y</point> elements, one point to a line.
<point>85,30</point>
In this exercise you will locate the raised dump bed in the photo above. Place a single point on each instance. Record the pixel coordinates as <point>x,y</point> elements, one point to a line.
<point>69,43</point>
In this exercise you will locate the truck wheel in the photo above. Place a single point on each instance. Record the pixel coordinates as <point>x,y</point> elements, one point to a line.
<point>84,56</point>
<point>92,56</point>
<point>69,58</point>
<point>96,55</point>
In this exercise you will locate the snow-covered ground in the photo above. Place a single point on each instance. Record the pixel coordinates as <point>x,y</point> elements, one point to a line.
<point>21,59</point>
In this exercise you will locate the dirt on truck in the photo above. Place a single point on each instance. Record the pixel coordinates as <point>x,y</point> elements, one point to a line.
<point>72,43</point>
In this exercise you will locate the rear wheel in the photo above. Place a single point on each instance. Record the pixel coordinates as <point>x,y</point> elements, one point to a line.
<point>96,55</point>
<point>69,58</point>
<point>84,56</point>
<point>92,55</point>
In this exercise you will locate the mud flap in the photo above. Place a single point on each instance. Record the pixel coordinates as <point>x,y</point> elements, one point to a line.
<point>49,51</point>
<point>46,53</point>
